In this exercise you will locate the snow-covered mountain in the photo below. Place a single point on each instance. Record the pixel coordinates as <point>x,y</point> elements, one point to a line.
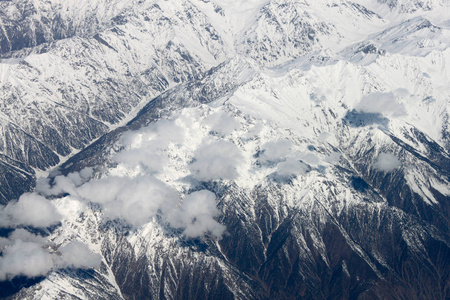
<point>225,149</point>
<point>60,95</point>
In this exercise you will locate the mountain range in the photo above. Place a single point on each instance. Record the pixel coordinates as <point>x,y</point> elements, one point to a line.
<point>203,149</point>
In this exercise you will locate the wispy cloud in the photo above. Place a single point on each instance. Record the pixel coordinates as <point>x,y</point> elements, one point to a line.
<point>382,103</point>
<point>196,215</point>
<point>386,162</point>
<point>78,255</point>
<point>275,151</point>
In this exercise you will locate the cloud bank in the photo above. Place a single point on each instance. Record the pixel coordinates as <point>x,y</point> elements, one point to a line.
<point>151,173</point>
<point>135,200</point>
<point>144,148</point>
<point>63,184</point>
<point>26,254</point>
<point>25,258</point>
<point>136,191</point>
<point>30,210</point>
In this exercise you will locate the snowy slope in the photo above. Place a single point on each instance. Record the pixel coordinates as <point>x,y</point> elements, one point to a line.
<point>63,95</point>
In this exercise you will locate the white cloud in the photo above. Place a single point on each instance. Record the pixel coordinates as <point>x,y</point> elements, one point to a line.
<point>146,158</point>
<point>290,167</point>
<point>43,186</point>
<point>274,152</point>
<point>196,215</point>
<point>286,160</point>
<point>23,235</point>
<point>30,255</point>
<point>32,210</point>
<point>333,157</point>
<point>104,190</point>
<point>26,236</point>
<point>156,136</point>
<point>386,162</point>
<point>25,258</point>
<point>383,103</point>
<point>78,255</point>
<point>222,123</point>
<point>216,160</point>
<point>144,148</point>
<point>135,200</point>
<point>310,158</point>
<point>4,242</point>
<point>136,195</point>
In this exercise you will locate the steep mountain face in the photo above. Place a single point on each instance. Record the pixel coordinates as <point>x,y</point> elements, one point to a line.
<point>61,95</point>
<point>28,24</point>
<point>284,150</point>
